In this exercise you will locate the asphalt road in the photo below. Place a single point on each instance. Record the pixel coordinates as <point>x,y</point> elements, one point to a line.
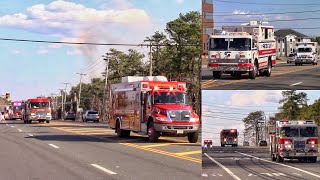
<point>284,76</point>
<point>226,163</point>
<point>75,150</point>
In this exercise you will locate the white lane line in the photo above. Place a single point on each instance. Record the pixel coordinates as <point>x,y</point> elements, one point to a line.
<point>295,168</point>
<point>296,84</point>
<point>54,146</point>
<point>30,135</point>
<point>19,130</point>
<point>103,169</point>
<point>223,167</point>
<point>12,126</point>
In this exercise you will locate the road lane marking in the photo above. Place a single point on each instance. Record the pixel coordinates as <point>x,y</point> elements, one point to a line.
<point>19,130</point>
<point>103,169</point>
<point>189,152</point>
<point>163,144</point>
<point>54,146</point>
<point>30,135</point>
<point>204,175</point>
<point>12,126</point>
<point>163,152</point>
<point>296,84</point>
<point>295,168</point>
<point>223,167</point>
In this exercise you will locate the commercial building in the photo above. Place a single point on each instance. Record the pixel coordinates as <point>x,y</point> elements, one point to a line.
<point>207,23</point>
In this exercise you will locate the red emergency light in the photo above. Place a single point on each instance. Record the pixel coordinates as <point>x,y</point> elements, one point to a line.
<point>312,141</point>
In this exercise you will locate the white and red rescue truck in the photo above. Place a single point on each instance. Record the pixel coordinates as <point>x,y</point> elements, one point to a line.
<point>16,110</point>
<point>37,109</point>
<point>229,137</point>
<point>207,144</point>
<point>249,48</point>
<point>293,140</point>
<point>152,106</point>
<point>307,53</point>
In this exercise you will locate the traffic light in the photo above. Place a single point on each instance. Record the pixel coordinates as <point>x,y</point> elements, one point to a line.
<point>7,96</point>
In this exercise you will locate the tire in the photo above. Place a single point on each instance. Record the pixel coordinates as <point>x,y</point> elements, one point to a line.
<point>122,133</point>
<point>269,69</point>
<point>313,159</point>
<point>193,137</point>
<point>216,75</point>
<point>272,157</point>
<point>47,121</point>
<point>253,73</point>
<point>236,145</point>
<point>24,121</point>
<point>279,159</point>
<point>152,133</point>
<point>222,145</point>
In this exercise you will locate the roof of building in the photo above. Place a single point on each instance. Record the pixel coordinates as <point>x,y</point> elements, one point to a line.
<point>285,32</point>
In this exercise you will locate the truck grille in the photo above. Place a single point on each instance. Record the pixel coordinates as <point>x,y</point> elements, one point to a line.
<point>180,115</point>
<point>41,114</point>
<point>299,145</point>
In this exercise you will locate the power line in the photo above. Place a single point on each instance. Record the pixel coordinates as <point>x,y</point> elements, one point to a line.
<point>275,13</point>
<point>267,4</point>
<point>91,43</point>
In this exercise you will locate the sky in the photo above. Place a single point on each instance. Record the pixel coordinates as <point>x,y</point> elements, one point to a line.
<point>226,11</point>
<point>33,69</point>
<point>225,109</point>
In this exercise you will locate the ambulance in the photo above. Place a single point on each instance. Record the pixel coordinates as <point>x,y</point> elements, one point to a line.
<point>307,53</point>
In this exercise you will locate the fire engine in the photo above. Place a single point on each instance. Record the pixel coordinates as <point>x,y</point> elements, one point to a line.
<point>307,53</point>
<point>248,48</point>
<point>37,109</point>
<point>293,140</point>
<point>229,137</point>
<point>152,106</point>
<point>16,110</point>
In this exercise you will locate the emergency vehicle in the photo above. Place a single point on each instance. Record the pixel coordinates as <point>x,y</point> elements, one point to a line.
<point>307,53</point>
<point>293,140</point>
<point>16,107</point>
<point>152,106</point>
<point>229,137</point>
<point>248,48</point>
<point>207,144</point>
<point>37,109</point>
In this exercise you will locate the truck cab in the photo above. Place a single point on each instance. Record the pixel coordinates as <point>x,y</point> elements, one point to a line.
<point>37,109</point>
<point>229,137</point>
<point>307,53</point>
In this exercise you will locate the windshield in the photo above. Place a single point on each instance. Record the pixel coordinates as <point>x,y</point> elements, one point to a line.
<point>39,105</point>
<point>304,50</point>
<point>15,108</point>
<point>170,98</point>
<point>235,44</point>
<point>289,132</point>
<point>92,112</point>
<point>308,132</point>
<point>229,133</point>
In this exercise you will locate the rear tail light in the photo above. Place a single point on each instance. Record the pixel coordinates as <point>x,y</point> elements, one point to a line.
<point>213,65</point>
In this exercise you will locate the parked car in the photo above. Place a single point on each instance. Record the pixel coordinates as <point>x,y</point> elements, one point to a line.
<point>70,116</point>
<point>90,115</point>
<point>263,143</point>
<point>245,143</point>
<point>291,58</point>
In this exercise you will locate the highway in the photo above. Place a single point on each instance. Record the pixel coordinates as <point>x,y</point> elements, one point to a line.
<point>76,150</point>
<point>238,163</point>
<point>284,76</point>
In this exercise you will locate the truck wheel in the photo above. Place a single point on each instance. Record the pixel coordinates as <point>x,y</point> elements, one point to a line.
<point>193,137</point>
<point>272,157</point>
<point>216,75</point>
<point>47,121</point>
<point>152,133</point>
<point>269,69</point>
<point>279,158</point>
<point>253,73</point>
<point>222,145</point>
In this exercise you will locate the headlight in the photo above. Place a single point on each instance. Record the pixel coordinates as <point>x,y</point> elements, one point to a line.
<point>161,118</point>
<point>33,114</point>
<point>194,119</point>
<point>48,114</point>
<point>287,146</point>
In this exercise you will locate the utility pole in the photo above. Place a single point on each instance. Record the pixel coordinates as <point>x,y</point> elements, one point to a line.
<point>104,110</point>
<point>150,55</point>
<point>62,109</point>
<point>65,94</point>
<point>79,99</point>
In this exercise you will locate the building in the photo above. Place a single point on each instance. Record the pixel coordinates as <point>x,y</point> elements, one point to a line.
<point>286,40</point>
<point>207,23</point>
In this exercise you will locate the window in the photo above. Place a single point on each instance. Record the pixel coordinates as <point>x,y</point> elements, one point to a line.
<point>298,40</point>
<point>290,40</point>
<point>208,15</point>
<point>279,41</point>
<point>266,33</point>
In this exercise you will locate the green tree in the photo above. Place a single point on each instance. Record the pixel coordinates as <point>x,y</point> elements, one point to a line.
<point>292,105</point>
<point>251,124</point>
<point>312,112</point>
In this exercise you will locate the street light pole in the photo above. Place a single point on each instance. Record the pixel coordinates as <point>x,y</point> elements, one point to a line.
<point>62,108</point>
<point>79,99</point>
<point>107,59</point>
<point>65,94</point>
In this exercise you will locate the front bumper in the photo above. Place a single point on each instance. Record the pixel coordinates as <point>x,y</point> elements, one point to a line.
<point>298,154</point>
<point>176,129</point>
<point>305,61</point>
<point>229,68</point>
<point>17,117</point>
<point>37,118</point>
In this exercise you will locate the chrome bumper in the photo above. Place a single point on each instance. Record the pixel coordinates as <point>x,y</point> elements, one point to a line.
<point>36,118</point>
<point>305,61</point>
<point>178,129</point>
<point>229,68</point>
<point>298,155</point>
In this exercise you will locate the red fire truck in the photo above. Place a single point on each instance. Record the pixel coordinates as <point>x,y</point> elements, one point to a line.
<point>229,137</point>
<point>37,109</point>
<point>293,140</point>
<point>16,110</point>
<point>152,106</point>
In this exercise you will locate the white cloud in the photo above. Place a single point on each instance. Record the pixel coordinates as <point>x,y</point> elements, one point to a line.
<point>42,50</point>
<point>254,98</point>
<point>16,51</point>
<point>73,52</point>
<point>180,1</point>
